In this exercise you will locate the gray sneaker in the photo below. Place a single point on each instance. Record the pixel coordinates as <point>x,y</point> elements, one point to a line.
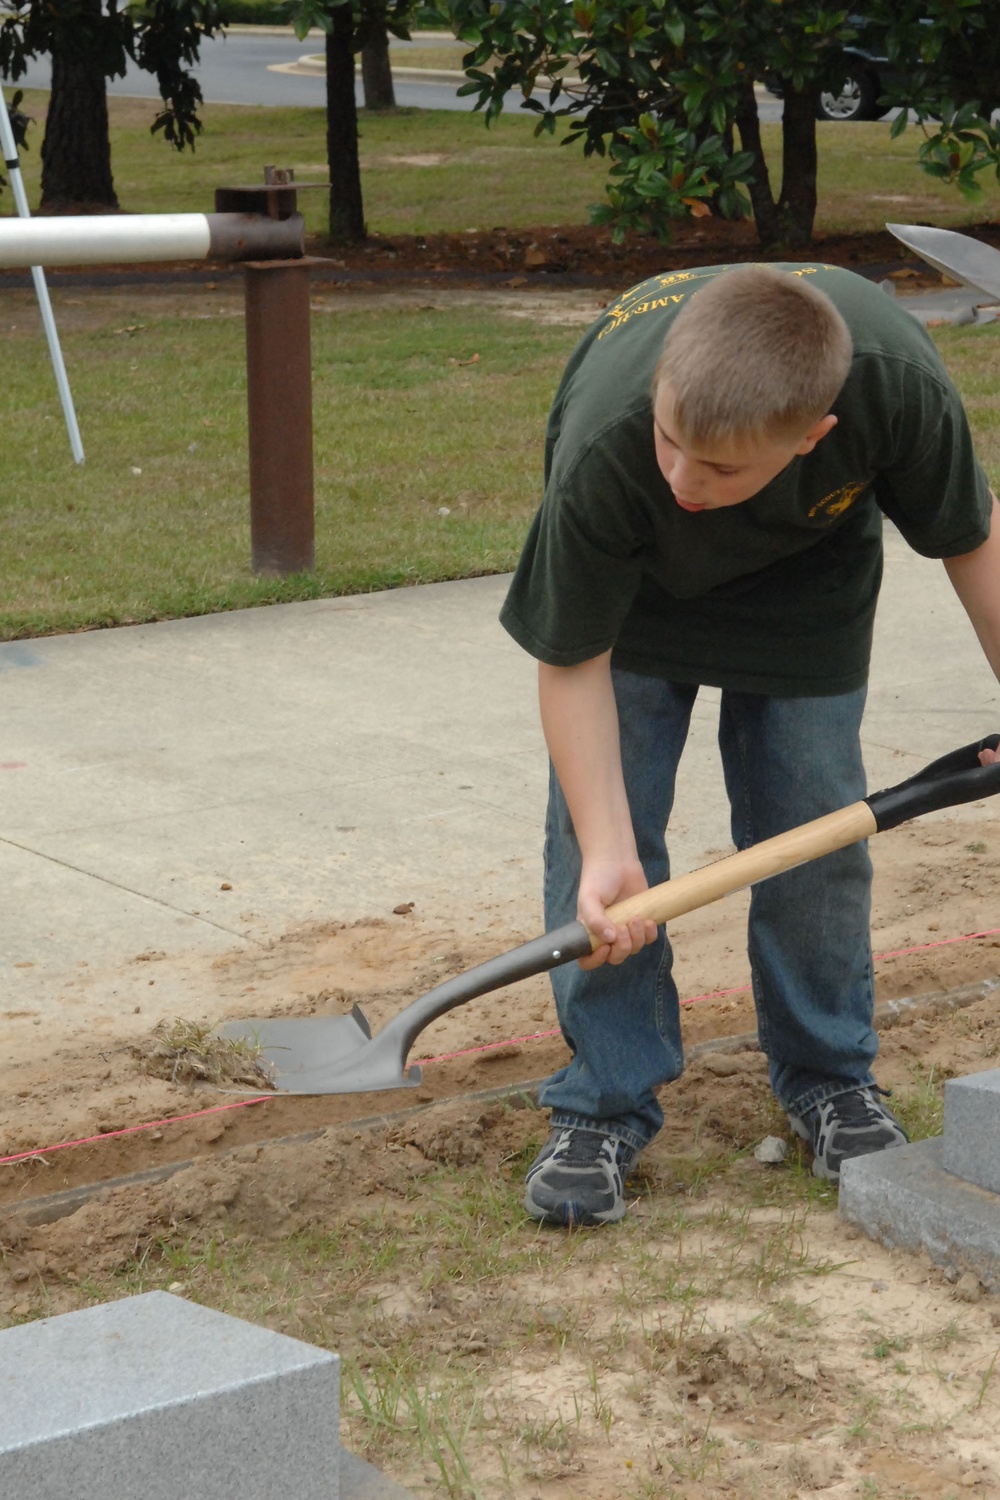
<point>854,1123</point>
<point>578,1177</point>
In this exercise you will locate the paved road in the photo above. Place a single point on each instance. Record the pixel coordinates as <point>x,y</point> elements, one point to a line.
<point>239,69</point>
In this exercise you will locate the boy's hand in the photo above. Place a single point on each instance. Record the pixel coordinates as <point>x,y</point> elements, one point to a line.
<point>988,757</point>
<point>601,885</point>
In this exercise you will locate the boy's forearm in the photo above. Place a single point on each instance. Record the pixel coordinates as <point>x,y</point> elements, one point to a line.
<point>580,723</point>
<point>975,577</point>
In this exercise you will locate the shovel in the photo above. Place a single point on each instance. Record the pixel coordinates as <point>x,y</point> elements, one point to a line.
<point>959,256</point>
<point>339,1055</point>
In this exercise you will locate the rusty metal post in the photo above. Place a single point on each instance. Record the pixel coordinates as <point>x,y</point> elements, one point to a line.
<point>279,404</point>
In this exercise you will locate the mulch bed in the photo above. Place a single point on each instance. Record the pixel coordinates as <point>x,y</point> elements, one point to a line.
<point>581,253</point>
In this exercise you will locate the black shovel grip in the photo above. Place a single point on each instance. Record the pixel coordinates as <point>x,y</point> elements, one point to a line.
<point>953,779</point>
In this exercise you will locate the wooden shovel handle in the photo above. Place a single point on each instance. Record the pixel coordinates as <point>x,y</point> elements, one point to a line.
<point>661,903</point>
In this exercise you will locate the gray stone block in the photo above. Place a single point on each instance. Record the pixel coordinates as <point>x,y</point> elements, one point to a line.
<point>972,1128</point>
<point>159,1397</point>
<point>906,1198</point>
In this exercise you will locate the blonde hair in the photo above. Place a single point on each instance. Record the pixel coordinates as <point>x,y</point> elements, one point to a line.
<point>757,353</point>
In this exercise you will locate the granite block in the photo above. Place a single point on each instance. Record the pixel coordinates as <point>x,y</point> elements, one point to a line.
<point>160,1397</point>
<point>906,1198</point>
<point>972,1128</point>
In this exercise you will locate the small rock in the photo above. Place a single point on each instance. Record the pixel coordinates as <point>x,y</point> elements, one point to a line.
<point>772,1151</point>
<point>723,1064</point>
<point>403,909</point>
<point>967,1288</point>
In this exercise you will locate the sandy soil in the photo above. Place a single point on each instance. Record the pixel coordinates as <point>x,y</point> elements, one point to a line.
<point>931,887</point>
<point>813,1380</point>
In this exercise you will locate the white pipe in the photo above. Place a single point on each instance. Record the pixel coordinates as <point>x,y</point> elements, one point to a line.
<point>104,239</point>
<point>9,146</point>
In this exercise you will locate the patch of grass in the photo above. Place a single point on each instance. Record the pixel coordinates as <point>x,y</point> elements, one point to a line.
<point>888,1344</point>
<point>423,171</point>
<point>921,1106</point>
<point>426,466</point>
<point>866,179</point>
<point>403,1403</point>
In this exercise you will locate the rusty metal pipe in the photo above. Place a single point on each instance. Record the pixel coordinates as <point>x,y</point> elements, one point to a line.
<point>104,239</point>
<point>279,405</point>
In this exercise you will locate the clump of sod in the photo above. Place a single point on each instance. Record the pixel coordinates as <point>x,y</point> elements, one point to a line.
<point>184,1052</point>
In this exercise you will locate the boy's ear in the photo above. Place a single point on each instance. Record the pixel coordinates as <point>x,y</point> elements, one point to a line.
<point>816,433</point>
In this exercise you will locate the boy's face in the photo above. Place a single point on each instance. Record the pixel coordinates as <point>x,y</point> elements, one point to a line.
<point>725,473</point>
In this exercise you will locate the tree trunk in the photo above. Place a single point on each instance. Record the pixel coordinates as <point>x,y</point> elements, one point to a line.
<point>376,74</point>
<point>765,210</point>
<point>76,150</point>
<point>347,215</point>
<point>797,203</point>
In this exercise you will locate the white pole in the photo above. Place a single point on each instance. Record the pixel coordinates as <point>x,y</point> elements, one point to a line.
<point>102,239</point>
<point>41,289</point>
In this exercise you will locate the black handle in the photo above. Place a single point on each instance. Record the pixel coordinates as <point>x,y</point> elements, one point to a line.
<point>954,778</point>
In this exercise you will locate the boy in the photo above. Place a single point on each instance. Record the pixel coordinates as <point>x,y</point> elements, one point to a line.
<point>719,456</point>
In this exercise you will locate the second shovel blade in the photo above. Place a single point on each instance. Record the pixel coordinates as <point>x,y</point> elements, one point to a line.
<point>958,255</point>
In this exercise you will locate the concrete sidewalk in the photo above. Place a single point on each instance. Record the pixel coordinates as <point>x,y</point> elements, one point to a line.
<point>328,761</point>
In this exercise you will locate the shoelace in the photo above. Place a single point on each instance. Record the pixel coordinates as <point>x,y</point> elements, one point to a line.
<point>857,1108</point>
<point>582,1149</point>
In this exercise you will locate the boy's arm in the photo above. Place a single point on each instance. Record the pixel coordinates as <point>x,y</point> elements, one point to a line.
<point>975,577</point>
<point>580,722</point>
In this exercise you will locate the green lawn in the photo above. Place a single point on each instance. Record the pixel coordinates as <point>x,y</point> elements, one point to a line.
<point>426,462</point>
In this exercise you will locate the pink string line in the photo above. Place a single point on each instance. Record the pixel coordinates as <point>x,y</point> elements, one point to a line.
<point>109,1135</point>
<point>531,1036</point>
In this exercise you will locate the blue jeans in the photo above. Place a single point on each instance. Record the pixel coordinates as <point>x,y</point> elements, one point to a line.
<point>786,761</point>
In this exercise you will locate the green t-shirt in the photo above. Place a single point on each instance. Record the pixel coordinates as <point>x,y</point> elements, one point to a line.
<point>777,594</point>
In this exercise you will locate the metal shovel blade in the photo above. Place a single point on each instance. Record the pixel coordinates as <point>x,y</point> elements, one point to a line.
<point>319,1054</point>
<point>339,1055</point>
<point>963,259</point>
